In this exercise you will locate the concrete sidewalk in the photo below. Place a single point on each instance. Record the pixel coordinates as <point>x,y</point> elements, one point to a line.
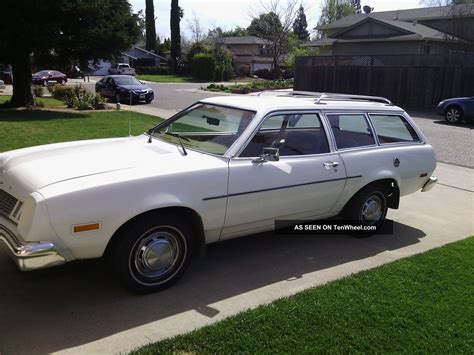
<point>77,309</point>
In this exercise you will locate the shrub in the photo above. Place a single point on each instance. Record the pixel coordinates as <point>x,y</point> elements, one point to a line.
<point>219,73</point>
<point>262,73</point>
<point>85,102</point>
<point>228,71</point>
<point>99,102</point>
<point>38,91</point>
<point>244,70</point>
<point>287,74</point>
<point>204,66</point>
<point>153,70</point>
<point>66,93</point>
<point>78,97</point>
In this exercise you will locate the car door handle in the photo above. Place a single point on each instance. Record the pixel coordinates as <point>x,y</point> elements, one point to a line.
<point>331,164</point>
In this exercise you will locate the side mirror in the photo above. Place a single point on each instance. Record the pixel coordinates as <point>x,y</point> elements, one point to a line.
<point>268,154</point>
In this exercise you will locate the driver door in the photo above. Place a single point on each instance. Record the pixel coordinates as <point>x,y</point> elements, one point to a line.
<point>306,181</point>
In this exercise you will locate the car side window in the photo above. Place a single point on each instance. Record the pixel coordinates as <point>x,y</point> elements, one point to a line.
<point>351,130</point>
<point>393,129</point>
<point>293,134</point>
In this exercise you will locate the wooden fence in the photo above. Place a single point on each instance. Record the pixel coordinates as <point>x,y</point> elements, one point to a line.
<point>417,82</point>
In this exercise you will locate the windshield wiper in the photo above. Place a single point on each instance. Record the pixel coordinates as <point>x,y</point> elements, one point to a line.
<point>180,141</point>
<point>151,132</point>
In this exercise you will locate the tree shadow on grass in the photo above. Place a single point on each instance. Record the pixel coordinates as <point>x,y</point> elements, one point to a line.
<point>22,115</point>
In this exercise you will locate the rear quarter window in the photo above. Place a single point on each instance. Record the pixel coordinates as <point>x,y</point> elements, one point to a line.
<point>393,129</point>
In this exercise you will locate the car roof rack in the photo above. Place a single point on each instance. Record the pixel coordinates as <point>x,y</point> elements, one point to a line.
<point>323,96</point>
<point>349,97</point>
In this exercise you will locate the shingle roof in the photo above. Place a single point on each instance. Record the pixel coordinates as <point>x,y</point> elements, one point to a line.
<point>418,14</point>
<point>414,32</point>
<point>241,40</point>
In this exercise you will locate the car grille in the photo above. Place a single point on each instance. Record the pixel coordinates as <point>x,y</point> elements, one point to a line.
<point>7,203</point>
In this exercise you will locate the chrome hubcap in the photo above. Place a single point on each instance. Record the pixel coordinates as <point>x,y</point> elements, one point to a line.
<point>453,115</point>
<point>372,210</point>
<point>157,254</point>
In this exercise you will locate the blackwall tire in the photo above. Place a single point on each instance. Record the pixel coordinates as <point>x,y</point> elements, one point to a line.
<point>153,252</point>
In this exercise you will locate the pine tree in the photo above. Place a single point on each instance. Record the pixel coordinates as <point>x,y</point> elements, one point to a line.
<point>150,34</point>
<point>300,25</point>
<point>175,19</point>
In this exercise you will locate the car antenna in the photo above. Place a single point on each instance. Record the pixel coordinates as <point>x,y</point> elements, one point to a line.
<point>130,117</point>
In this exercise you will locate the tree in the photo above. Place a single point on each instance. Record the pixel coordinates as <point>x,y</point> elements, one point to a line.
<point>356,5</point>
<point>300,25</point>
<point>236,32</point>
<point>196,29</point>
<point>69,29</point>
<point>175,19</point>
<point>333,10</point>
<point>150,35</point>
<point>275,25</point>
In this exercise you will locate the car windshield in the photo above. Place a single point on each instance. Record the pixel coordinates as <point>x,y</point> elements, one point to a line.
<point>126,80</point>
<point>42,73</point>
<point>207,128</point>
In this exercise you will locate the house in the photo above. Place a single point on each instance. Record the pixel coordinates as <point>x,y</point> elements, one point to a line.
<point>434,30</point>
<point>135,56</point>
<point>248,51</point>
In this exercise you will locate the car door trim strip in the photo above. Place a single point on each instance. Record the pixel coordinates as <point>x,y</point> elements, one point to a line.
<point>281,187</point>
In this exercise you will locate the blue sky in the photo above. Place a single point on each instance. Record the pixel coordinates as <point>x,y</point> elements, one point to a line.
<point>231,13</point>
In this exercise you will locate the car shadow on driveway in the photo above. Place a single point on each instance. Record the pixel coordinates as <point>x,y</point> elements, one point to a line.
<point>59,308</point>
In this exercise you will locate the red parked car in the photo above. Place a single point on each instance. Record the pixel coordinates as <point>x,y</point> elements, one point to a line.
<point>45,77</point>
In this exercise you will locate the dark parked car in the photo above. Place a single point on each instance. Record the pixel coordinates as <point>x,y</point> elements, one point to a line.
<point>124,88</point>
<point>457,109</point>
<point>45,77</point>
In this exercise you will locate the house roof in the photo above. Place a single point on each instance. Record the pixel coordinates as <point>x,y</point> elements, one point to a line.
<point>241,40</point>
<point>148,52</point>
<point>412,32</point>
<point>128,55</point>
<point>409,15</point>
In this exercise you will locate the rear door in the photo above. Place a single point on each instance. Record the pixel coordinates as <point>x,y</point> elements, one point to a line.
<point>306,181</point>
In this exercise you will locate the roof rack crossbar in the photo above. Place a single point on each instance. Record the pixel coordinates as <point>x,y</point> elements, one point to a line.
<point>325,96</point>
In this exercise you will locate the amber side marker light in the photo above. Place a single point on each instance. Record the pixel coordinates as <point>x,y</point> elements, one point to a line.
<point>86,227</point>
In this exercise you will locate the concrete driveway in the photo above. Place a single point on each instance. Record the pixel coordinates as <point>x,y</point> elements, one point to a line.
<point>79,308</point>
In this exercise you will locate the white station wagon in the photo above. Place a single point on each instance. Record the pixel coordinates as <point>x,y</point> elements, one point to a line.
<point>222,168</point>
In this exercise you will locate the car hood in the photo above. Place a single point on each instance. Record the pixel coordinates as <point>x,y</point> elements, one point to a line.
<point>135,87</point>
<point>27,170</point>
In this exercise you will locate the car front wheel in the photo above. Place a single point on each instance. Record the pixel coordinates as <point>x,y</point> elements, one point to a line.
<point>453,114</point>
<point>153,252</point>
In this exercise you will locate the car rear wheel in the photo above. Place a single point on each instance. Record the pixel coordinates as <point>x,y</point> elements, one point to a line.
<point>368,207</point>
<point>152,253</point>
<point>453,114</point>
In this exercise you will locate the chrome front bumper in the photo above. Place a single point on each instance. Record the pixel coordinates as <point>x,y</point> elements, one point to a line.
<point>30,256</point>
<point>428,185</point>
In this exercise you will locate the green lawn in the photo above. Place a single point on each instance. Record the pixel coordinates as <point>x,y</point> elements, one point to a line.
<point>422,304</point>
<point>47,102</point>
<point>24,128</point>
<point>169,79</point>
